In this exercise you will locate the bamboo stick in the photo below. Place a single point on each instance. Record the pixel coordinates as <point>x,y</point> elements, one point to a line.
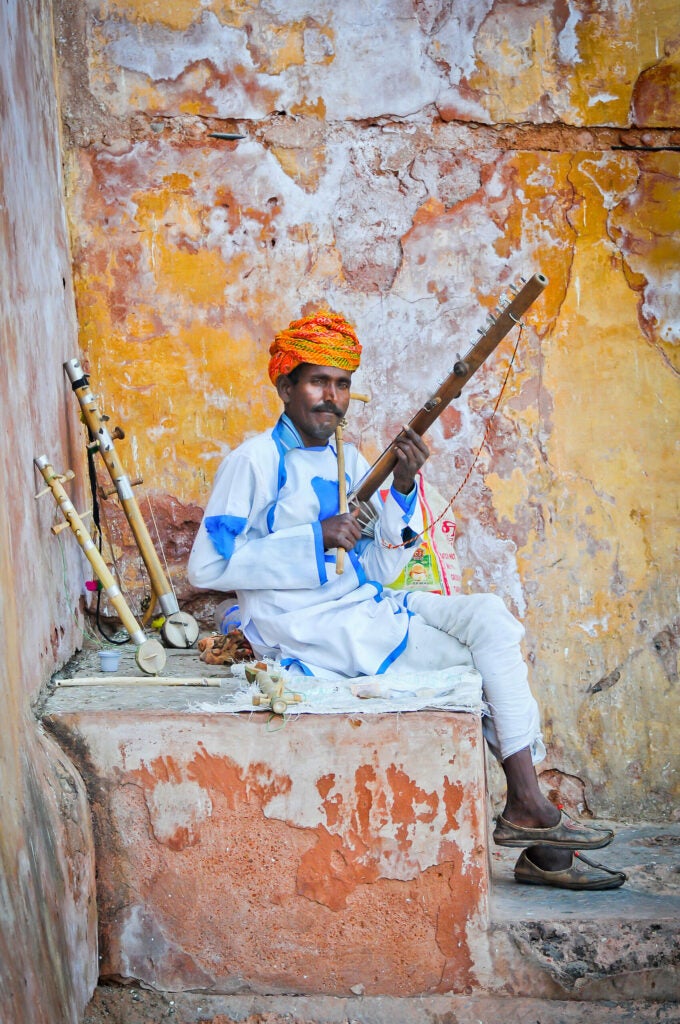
<point>114,680</point>
<point>342,494</point>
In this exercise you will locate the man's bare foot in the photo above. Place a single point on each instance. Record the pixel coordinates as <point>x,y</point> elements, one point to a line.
<point>549,858</point>
<point>539,813</point>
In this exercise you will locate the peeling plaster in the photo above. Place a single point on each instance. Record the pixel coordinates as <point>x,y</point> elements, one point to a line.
<point>190,254</point>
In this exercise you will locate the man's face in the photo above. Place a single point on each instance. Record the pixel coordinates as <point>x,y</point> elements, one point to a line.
<point>316,402</point>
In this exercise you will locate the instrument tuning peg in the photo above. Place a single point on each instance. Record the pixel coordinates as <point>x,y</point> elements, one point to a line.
<point>64,526</point>
<point>61,477</point>
<point>523,280</point>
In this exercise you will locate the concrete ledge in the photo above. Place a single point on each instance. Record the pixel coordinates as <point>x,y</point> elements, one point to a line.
<point>332,855</point>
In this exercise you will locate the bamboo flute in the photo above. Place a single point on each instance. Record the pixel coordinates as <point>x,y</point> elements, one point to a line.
<point>342,494</point>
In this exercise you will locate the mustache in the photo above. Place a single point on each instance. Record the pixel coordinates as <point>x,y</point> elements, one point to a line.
<point>328,407</point>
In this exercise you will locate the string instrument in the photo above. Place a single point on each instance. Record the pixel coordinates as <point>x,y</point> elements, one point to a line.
<point>507,315</point>
<point>179,628</point>
<point>149,653</point>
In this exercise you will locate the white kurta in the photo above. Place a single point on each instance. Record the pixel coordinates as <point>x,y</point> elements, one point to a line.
<point>261,537</point>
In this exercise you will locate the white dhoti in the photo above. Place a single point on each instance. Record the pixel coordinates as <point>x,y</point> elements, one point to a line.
<point>478,631</point>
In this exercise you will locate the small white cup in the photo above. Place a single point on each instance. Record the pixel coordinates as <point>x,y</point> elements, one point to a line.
<point>109,660</point>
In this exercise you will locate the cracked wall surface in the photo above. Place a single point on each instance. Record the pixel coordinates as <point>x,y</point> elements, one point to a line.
<point>405,162</point>
<point>48,943</point>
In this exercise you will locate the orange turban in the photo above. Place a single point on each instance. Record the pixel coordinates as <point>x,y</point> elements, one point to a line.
<point>325,339</point>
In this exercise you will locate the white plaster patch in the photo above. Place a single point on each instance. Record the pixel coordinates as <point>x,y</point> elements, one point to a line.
<point>455,40</point>
<point>163,53</point>
<point>403,77</point>
<point>177,805</point>
<point>481,547</point>
<point>662,305</point>
<point>595,627</point>
<point>132,936</point>
<point>567,40</point>
<point>401,848</point>
<point>602,97</point>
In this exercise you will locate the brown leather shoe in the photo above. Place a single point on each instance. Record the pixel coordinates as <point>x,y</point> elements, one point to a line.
<point>583,874</point>
<point>567,834</point>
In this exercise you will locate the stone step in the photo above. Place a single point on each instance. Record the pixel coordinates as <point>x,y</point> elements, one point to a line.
<point>131,1005</point>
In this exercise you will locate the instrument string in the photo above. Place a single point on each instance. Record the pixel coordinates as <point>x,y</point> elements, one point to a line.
<point>99,517</point>
<point>412,541</point>
<point>160,545</point>
<point>108,534</point>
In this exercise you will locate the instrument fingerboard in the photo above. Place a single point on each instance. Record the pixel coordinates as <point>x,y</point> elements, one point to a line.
<point>507,315</point>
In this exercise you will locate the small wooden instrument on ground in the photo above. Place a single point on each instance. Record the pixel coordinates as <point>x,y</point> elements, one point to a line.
<point>273,691</point>
<point>149,655</point>
<point>179,629</point>
<point>508,315</point>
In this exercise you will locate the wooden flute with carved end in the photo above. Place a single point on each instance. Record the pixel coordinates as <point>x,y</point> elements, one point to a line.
<point>508,315</point>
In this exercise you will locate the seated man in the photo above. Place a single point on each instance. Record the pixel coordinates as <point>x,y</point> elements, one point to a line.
<point>270,533</point>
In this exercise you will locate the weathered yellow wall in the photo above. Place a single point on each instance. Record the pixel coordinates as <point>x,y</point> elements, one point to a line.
<point>404,162</point>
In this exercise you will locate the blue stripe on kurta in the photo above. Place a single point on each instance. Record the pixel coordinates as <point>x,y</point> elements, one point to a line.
<point>326,492</point>
<point>284,439</point>
<point>223,531</point>
<point>231,619</point>
<point>288,662</point>
<point>406,502</point>
<point>361,545</point>
<point>399,649</point>
<point>358,568</point>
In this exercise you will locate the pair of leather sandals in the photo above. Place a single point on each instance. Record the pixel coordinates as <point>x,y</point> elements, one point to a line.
<point>582,874</point>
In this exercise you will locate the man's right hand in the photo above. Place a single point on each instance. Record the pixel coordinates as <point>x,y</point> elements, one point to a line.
<point>341,531</point>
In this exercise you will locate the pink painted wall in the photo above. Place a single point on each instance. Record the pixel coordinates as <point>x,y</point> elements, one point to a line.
<point>404,162</point>
<point>48,962</point>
